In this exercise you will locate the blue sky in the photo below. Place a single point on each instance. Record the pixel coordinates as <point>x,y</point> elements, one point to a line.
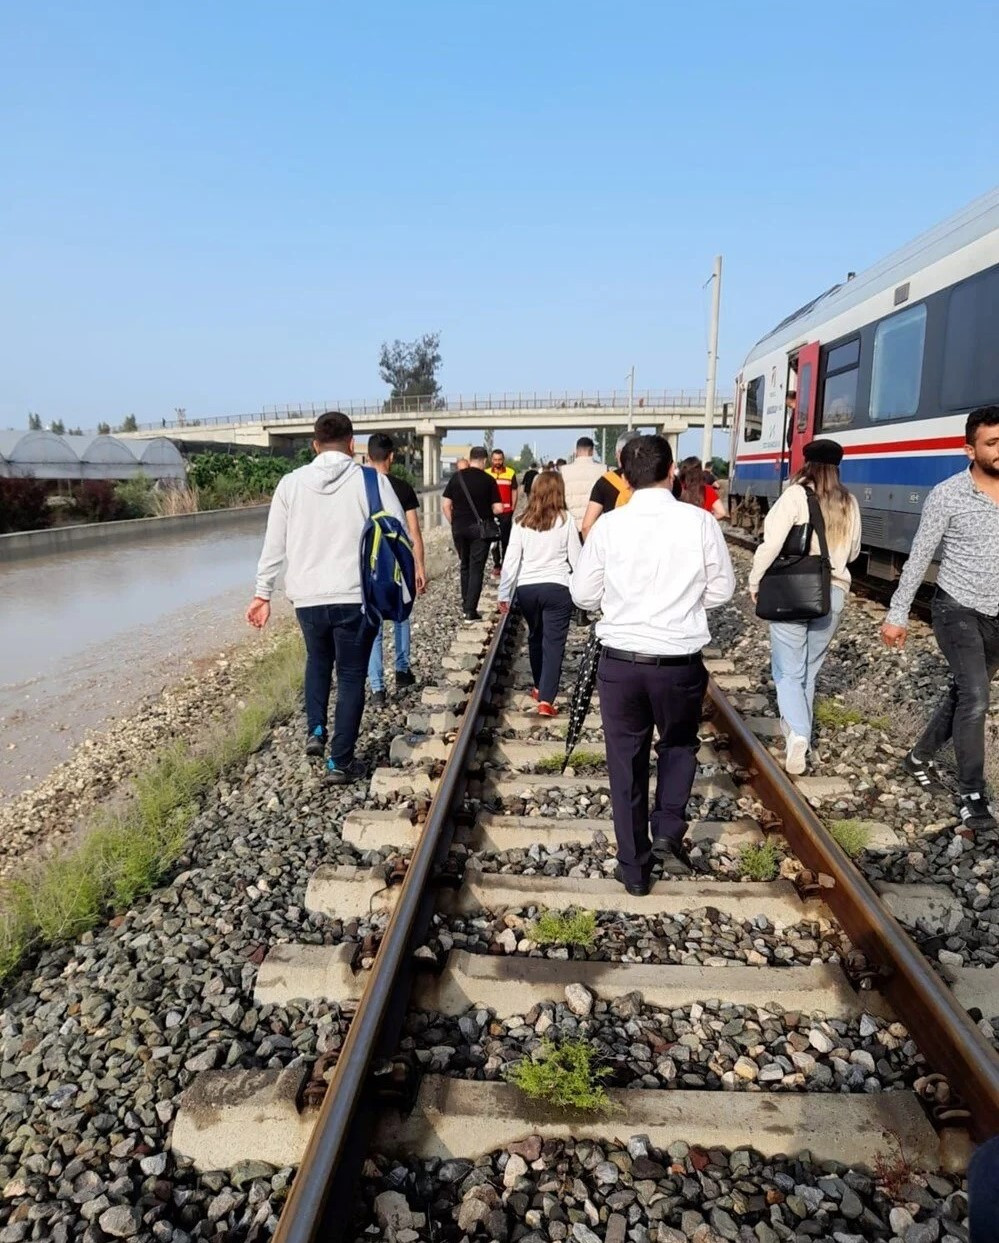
<point>224,206</point>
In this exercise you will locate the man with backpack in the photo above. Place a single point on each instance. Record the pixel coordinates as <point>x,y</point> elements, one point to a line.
<point>611,490</point>
<point>320,522</point>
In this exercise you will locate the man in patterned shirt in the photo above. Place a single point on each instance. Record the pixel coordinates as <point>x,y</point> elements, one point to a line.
<point>962,514</point>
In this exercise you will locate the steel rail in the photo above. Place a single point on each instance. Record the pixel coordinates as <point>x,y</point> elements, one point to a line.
<point>338,1139</point>
<point>943,1030</point>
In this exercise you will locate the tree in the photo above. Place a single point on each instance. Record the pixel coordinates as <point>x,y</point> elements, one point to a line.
<point>129,425</point>
<point>75,431</point>
<point>103,429</point>
<point>605,439</point>
<point>488,437</point>
<point>410,369</point>
<point>719,468</point>
<point>34,422</point>
<point>526,458</point>
<point>58,426</point>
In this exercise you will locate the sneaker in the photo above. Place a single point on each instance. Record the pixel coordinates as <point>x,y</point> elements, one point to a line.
<point>534,693</point>
<point>316,744</point>
<point>975,812</point>
<point>925,772</point>
<point>378,699</point>
<point>471,617</point>
<point>404,678</point>
<point>794,759</point>
<point>341,775</point>
<point>546,709</point>
<point>637,889</point>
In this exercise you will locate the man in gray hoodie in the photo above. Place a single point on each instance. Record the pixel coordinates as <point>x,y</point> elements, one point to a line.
<point>314,529</point>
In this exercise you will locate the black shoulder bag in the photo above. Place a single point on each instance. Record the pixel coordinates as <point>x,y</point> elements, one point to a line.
<point>483,530</point>
<point>798,585</point>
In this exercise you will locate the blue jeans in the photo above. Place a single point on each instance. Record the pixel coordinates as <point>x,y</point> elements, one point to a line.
<point>797,650</point>
<point>376,665</point>
<point>547,609</point>
<point>337,636</point>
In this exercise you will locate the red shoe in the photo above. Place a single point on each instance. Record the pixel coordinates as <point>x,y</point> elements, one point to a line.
<point>546,709</point>
<point>534,694</point>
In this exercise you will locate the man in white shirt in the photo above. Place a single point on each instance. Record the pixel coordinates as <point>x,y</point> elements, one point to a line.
<point>653,566</point>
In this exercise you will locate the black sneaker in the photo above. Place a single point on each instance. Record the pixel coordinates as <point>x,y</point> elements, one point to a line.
<point>925,772</point>
<point>637,889</point>
<point>404,678</point>
<point>378,699</point>
<point>342,775</point>
<point>976,813</point>
<point>316,744</point>
<point>471,617</point>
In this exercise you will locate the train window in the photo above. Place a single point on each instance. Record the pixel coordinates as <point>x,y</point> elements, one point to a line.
<point>753,424</point>
<point>898,365</point>
<point>839,392</point>
<point>971,361</point>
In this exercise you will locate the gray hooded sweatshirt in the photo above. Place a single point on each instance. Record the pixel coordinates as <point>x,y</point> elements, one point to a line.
<point>314,527</point>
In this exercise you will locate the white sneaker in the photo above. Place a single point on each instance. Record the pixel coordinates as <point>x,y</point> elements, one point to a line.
<point>797,749</point>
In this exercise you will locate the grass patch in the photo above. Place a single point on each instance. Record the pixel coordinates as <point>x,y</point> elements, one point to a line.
<point>564,928</point>
<point>124,852</point>
<point>563,1075</point>
<point>759,862</point>
<point>852,835</point>
<point>578,759</point>
<point>835,714</point>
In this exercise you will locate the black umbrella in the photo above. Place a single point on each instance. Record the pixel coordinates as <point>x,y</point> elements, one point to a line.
<point>582,694</point>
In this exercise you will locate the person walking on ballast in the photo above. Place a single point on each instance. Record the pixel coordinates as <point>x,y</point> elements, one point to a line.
<point>381,454</point>
<point>962,514</point>
<point>472,504</point>
<point>543,550</point>
<point>506,481</point>
<point>314,528</point>
<point>611,489</point>
<point>653,566</point>
<point>799,648</point>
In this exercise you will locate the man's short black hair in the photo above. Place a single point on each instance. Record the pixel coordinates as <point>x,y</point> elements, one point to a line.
<point>477,454</point>
<point>333,428</point>
<point>646,460</point>
<point>984,416</point>
<point>380,447</point>
<point>500,452</point>
<point>584,442</point>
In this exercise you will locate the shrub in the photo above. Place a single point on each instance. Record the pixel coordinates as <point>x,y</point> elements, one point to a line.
<point>402,473</point>
<point>564,928</point>
<point>563,1075</point>
<point>852,835</point>
<point>759,862</point>
<point>23,506</point>
<point>136,497</point>
<point>578,759</point>
<point>95,500</point>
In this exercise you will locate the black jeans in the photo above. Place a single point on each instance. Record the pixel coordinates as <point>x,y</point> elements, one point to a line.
<point>547,608</point>
<point>336,636</point>
<point>970,642</point>
<point>472,553</point>
<point>505,522</point>
<point>633,699</point>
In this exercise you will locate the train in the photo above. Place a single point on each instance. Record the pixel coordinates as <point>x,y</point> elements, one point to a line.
<point>889,363</point>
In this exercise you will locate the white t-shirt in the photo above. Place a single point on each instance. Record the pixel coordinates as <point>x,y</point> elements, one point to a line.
<point>539,556</point>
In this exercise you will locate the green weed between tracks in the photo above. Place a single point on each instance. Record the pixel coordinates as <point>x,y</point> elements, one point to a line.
<point>578,760</point>
<point>564,928</point>
<point>563,1075</point>
<point>834,714</point>
<point>853,835</point>
<point>759,862</point>
<point>123,853</point>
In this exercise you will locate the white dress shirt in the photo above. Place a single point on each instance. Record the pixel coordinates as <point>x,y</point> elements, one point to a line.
<point>653,567</point>
<point>539,556</point>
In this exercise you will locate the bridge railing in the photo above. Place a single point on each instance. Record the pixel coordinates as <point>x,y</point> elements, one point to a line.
<point>461,403</point>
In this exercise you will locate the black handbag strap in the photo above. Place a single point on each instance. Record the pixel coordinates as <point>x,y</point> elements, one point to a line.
<point>818,523</point>
<point>468,497</point>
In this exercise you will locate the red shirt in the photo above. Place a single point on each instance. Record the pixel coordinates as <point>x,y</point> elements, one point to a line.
<point>710,497</point>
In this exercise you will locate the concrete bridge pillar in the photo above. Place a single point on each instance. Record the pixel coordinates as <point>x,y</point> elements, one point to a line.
<point>431,460</point>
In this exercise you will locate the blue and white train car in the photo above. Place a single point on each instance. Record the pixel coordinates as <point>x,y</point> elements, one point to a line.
<point>889,364</point>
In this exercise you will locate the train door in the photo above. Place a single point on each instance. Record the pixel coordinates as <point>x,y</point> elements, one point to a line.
<point>802,427</point>
<point>787,428</point>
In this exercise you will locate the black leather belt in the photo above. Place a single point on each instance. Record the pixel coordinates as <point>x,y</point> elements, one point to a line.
<point>640,658</point>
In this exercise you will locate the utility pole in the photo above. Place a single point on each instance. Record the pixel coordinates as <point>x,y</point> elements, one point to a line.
<point>631,398</point>
<point>707,451</point>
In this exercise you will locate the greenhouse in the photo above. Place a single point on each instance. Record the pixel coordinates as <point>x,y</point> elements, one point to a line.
<point>44,455</point>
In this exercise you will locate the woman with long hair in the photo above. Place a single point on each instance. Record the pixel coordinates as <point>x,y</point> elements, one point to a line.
<point>798,648</point>
<point>693,488</point>
<point>543,550</point>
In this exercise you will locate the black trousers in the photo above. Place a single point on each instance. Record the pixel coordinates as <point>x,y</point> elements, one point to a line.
<point>634,699</point>
<point>472,554</point>
<point>547,608</point>
<point>970,642</point>
<point>505,522</point>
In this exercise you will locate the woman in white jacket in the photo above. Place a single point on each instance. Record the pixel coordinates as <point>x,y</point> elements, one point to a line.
<point>797,649</point>
<point>542,553</point>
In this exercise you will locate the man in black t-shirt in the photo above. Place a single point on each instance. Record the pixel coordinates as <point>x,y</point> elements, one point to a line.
<point>381,454</point>
<point>471,503</point>
<point>611,490</point>
<point>529,478</point>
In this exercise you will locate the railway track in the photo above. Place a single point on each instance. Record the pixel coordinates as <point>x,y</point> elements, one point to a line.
<point>481,836</point>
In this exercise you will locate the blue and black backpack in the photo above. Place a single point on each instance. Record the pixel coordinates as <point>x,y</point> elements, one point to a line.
<point>388,567</point>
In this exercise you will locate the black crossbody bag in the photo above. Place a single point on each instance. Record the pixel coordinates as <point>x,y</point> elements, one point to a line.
<point>798,585</point>
<point>483,530</point>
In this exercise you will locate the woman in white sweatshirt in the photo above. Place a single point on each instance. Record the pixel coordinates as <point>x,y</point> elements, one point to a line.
<point>797,649</point>
<point>542,553</point>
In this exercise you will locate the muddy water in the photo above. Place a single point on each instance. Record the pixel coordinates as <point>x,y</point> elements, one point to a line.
<point>87,637</point>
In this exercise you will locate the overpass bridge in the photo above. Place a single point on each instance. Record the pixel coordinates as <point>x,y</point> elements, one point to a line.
<point>431,418</point>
